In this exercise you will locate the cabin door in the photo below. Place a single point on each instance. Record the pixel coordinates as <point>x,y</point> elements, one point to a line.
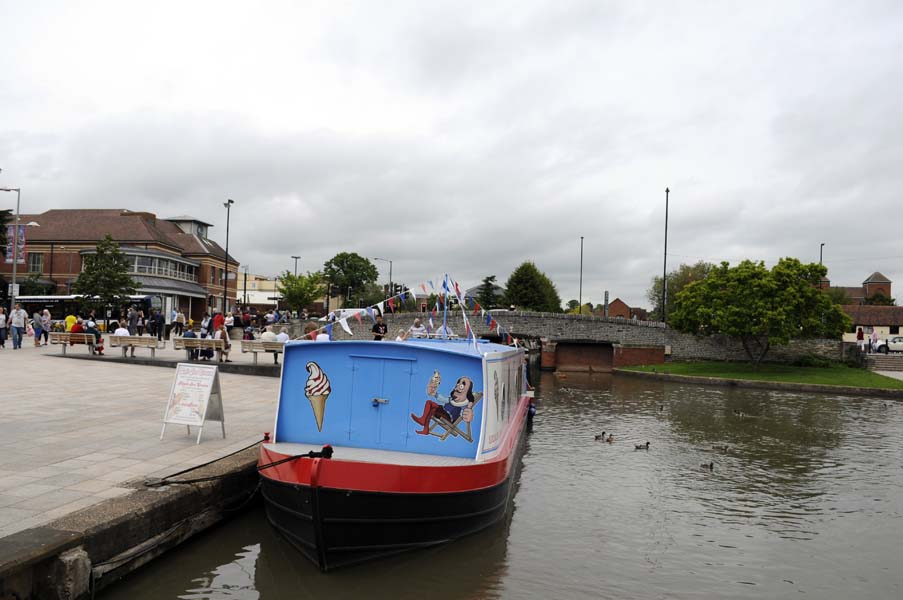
<point>380,394</point>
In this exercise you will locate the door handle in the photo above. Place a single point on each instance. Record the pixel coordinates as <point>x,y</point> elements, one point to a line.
<point>378,401</point>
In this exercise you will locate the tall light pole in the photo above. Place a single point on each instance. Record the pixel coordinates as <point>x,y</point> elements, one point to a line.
<point>391,291</point>
<point>246,288</point>
<point>580,296</point>
<point>296,264</point>
<point>12,300</point>
<point>665,268</point>
<point>228,204</point>
<point>820,249</point>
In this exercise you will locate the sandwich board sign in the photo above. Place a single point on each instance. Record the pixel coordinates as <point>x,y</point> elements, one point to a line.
<point>194,398</point>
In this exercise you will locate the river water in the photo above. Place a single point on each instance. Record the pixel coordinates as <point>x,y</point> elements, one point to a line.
<point>805,500</point>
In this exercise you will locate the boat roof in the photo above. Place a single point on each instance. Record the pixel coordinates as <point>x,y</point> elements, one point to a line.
<point>452,346</point>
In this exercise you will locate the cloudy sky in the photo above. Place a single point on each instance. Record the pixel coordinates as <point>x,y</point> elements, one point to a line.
<point>468,137</point>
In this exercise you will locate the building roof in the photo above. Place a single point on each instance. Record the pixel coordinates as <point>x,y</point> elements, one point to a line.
<point>182,218</point>
<point>853,293</point>
<point>874,315</point>
<point>125,226</point>
<point>150,283</point>
<point>876,277</point>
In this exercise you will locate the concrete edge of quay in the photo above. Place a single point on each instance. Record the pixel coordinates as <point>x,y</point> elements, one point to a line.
<point>269,370</point>
<point>87,550</point>
<point>764,385</point>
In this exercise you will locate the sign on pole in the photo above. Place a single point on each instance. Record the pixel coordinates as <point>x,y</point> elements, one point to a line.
<point>10,239</point>
<point>195,397</point>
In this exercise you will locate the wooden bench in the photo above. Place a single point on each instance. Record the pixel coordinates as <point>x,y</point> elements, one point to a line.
<point>135,341</point>
<point>256,346</point>
<point>189,344</point>
<point>65,339</point>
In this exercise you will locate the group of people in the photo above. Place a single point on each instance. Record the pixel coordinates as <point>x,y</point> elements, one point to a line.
<point>17,324</point>
<point>867,343</point>
<point>417,330</point>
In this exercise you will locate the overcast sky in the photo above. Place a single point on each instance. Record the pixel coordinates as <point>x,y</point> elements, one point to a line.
<point>468,137</point>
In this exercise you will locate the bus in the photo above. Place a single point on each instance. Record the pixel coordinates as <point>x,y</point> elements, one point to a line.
<point>60,306</point>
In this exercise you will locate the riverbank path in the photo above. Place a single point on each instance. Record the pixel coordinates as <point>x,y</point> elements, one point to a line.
<point>74,433</point>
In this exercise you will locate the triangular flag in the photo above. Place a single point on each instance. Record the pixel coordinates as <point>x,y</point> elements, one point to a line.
<point>457,289</point>
<point>329,330</point>
<point>423,287</point>
<point>380,309</point>
<point>430,281</point>
<point>313,334</point>
<point>431,323</point>
<point>392,304</point>
<point>344,324</point>
<point>492,324</point>
<point>370,314</point>
<point>403,297</point>
<point>357,316</point>
<point>488,319</point>
<point>476,307</point>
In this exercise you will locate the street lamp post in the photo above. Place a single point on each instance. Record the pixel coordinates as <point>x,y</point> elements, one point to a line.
<point>580,296</point>
<point>820,249</point>
<point>391,292</point>
<point>665,268</point>
<point>246,287</point>
<point>296,264</point>
<point>12,302</point>
<point>228,204</point>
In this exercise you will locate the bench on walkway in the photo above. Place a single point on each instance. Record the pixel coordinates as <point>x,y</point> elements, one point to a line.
<point>256,346</point>
<point>135,341</point>
<point>189,344</point>
<point>65,339</point>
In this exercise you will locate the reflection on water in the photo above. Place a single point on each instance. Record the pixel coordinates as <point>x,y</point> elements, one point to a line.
<point>806,497</point>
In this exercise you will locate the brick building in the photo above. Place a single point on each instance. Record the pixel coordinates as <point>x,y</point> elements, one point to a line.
<point>172,260</point>
<point>876,283</point>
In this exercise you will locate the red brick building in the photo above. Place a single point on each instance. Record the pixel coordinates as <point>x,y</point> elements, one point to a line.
<point>876,283</point>
<point>619,308</point>
<point>173,260</point>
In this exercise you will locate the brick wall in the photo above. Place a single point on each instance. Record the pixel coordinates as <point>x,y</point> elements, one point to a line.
<point>557,326</point>
<point>625,356</point>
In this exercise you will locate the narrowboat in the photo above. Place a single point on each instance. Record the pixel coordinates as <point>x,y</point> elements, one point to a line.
<point>385,447</point>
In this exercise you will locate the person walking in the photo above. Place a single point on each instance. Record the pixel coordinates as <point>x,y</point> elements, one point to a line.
<point>131,320</point>
<point>139,324</point>
<point>18,319</point>
<point>180,322</point>
<point>3,329</point>
<point>873,341</point>
<point>38,327</point>
<point>46,324</point>
<point>860,339</point>
<point>159,325</point>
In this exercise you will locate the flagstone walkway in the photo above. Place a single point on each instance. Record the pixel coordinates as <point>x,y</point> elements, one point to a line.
<point>76,432</point>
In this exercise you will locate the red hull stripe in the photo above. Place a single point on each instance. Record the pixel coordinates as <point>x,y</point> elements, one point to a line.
<point>401,479</point>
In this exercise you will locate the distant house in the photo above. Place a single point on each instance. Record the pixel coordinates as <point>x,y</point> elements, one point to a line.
<point>876,283</point>
<point>619,308</point>
<point>886,320</point>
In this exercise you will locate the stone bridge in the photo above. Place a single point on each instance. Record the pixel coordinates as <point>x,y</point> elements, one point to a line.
<point>591,343</point>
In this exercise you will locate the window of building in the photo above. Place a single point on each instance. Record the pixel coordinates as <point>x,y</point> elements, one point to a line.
<point>145,265</point>
<point>35,262</point>
<point>212,274</point>
<point>894,329</point>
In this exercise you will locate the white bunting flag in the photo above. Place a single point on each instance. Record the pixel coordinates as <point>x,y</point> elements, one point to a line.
<point>344,324</point>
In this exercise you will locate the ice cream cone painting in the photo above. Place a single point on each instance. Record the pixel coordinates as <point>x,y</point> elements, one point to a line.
<point>317,390</point>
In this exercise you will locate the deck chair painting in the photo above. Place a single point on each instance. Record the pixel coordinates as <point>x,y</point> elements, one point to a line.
<point>442,427</point>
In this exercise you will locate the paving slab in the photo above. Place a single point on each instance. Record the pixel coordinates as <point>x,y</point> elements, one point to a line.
<point>76,432</point>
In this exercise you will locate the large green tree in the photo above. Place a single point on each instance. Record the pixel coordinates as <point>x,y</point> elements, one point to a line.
<point>486,295</point>
<point>760,307</point>
<point>349,269</point>
<point>105,280</point>
<point>678,279</point>
<point>879,299</point>
<point>300,291</point>
<point>531,289</point>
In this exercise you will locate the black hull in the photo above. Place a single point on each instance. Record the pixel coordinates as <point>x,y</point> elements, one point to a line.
<point>337,527</point>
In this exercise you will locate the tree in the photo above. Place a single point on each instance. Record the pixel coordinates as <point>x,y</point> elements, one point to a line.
<point>758,306</point>
<point>486,295</point>
<point>879,299</point>
<point>348,269</point>
<point>837,295</point>
<point>300,291</point>
<point>572,305</point>
<point>105,280</point>
<point>678,279</point>
<point>371,294</point>
<point>529,288</point>
<point>32,286</point>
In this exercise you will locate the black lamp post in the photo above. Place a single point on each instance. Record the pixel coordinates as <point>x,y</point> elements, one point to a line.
<point>820,249</point>
<point>580,295</point>
<point>296,264</point>
<point>228,204</point>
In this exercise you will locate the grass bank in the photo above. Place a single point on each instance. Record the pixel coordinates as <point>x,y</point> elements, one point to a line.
<point>839,375</point>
